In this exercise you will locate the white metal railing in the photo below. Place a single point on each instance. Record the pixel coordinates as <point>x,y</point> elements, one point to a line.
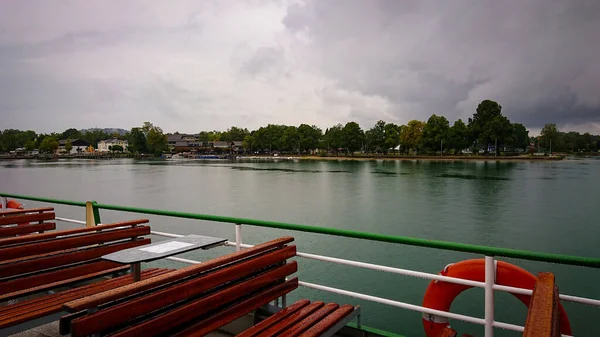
<point>489,285</point>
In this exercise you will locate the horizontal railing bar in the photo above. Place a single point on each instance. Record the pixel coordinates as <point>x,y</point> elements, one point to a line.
<point>436,244</point>
<point>169,235</point>
<point>79,222</point>
<point>393,303</point>
<point>393,270</point>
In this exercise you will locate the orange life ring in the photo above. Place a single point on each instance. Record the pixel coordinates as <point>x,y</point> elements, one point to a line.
<point>439,294</point>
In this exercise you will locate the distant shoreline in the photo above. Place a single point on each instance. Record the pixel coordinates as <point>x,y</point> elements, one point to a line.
<point>434,158</point>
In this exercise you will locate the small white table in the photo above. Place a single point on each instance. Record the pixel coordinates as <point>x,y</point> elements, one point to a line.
<point>159,250</point>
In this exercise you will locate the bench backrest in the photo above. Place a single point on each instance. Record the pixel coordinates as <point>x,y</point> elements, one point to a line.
<point>210,294</point>
<point>26,221</point>
<point>37,259</point>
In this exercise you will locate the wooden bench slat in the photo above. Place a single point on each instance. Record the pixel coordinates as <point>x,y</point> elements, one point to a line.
<point>73,292</point>
<point>9,220</point>
<point>101,298</point>
<point>298,328</point>
<point>325,324</point>
<point>51,235</point>
<point>542,317</point>
<point>59,275</point>
<point>256,329</point>
<point>229,315</point>
<point>66,258</point>
<point>108,319</point>
<point>52,285</point>
<point>73,242</point>
<point>296,317</point>
<point>45,308</point>
<point>23,211</point>
<point>31,228</point>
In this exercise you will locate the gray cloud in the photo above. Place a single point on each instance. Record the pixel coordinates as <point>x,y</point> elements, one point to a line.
<point>537,58</point>
<point>190,65</point>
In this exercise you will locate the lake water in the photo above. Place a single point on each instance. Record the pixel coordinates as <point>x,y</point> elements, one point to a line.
<point>539,206</point>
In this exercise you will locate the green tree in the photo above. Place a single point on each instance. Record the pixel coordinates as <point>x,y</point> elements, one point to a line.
<point>71,134</point>
<point>488,125</point>
<point>459,136</point>
<point>435,131</point>
<point>49,145</point>
<point>68,146</point>
<point>411,134</point>
<point>235,134</point>
<point>520,136</point>
<point>392,136</point>
<point>156,140</point>
<point>550,137</point>
<point>290,139</point>
<point>137,141</point>
<point>353,137</point>
<point>333,138</point>
<point>248,143</point>
<point>116,148</point>
<point>310,136</point>
<point>375,137</point>
<point>30,145</point>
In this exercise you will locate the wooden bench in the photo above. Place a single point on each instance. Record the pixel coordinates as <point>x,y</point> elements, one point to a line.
<point>37,262</point>
<point>543,314</point>
<point>26,221</point>
<point>202,298</point>
<point>40,262</point>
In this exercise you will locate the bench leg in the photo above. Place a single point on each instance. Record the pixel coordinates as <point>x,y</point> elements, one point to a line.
<point>136,271</point>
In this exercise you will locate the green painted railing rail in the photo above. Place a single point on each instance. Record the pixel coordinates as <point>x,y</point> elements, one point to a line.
<point>437,244</point>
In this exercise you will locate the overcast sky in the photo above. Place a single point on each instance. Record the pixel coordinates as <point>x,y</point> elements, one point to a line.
<point>199,65</point>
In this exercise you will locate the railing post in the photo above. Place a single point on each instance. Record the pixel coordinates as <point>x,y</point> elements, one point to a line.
<point>92,214</point>
<point>4,202</point>
<point>238,237</point>
<point>490,279</point>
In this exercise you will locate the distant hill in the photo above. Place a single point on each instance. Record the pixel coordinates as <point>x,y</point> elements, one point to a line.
<point>106,130</point>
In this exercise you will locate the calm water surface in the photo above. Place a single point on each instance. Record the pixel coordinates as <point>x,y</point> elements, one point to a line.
<point>541,206</point>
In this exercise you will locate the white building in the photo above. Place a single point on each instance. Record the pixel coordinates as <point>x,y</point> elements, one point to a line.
<point>104,145</point>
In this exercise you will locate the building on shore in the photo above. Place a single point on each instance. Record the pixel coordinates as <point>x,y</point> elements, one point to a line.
<point>107,144</point>
<point>77,145</point>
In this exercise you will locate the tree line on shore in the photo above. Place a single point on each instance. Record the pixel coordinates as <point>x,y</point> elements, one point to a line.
<point>488,130</point>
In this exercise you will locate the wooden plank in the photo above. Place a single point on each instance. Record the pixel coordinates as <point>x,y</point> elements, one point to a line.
<point>312,319</point>
<point>68,232</point>
<point>75,292</point>
<point>54,276</point>
<point>326,323</point>
<point>72,242</point>
<point>53,303</point>
<point>232,313</point>
<point>23,211</point>
<point>112,317</point>
<point>10,220</point>
<point>48,286</point>
<point>542,316</point>
<point>273,319</point>
<point>296,317</point>
<point>96,300</point>
<point>26,229</point>
<point>66,258</point>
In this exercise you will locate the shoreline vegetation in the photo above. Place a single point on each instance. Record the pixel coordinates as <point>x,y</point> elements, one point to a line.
<point>488,134</point>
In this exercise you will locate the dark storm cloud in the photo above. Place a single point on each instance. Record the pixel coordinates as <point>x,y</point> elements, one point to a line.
<point>538,58</point>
